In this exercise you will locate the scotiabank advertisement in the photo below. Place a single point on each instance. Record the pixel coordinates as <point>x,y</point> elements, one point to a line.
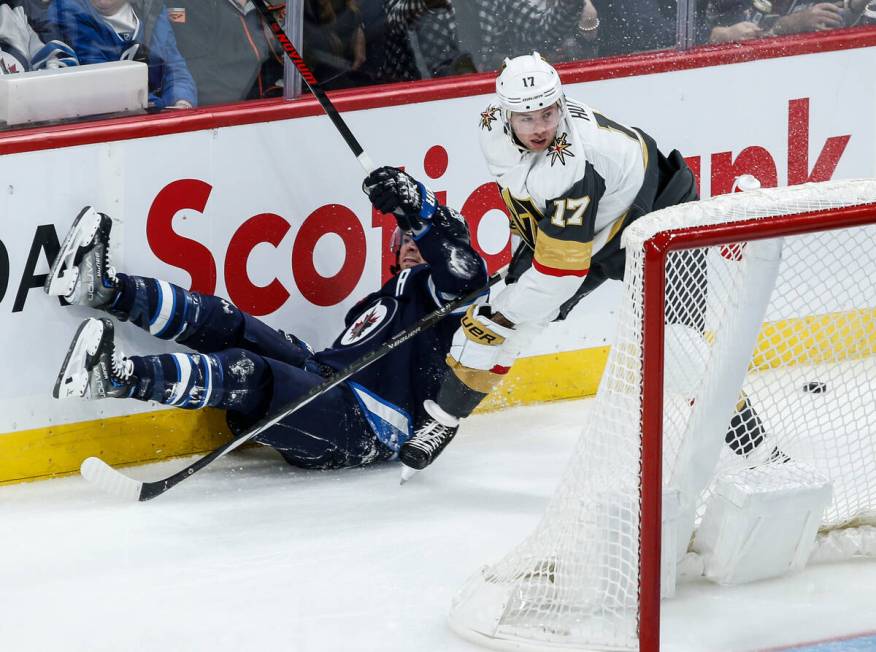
<point>272,215</point>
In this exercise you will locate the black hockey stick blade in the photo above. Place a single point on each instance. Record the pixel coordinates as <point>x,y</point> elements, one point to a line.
<point>313,84</point>
<point>114,482</point>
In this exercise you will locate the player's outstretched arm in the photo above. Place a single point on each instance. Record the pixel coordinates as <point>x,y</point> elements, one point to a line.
<point>440,232</point>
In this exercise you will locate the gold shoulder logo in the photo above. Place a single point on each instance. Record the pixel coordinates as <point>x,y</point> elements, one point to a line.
<point>488,117</point>
<point>559,149</point>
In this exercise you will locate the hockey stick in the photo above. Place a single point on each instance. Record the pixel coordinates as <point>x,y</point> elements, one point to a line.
<point>313,85</point>
<point>112,481</point>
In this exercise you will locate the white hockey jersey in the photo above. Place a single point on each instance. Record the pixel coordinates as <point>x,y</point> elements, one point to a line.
<point>566,202</point>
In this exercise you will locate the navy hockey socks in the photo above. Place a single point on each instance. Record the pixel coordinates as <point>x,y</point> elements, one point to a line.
<point>167,311</point>
<point>234,379</point>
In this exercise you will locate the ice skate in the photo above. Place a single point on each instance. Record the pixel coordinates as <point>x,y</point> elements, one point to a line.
<point>81,273</point>
<point>93,368</point>
<point>429,441</point>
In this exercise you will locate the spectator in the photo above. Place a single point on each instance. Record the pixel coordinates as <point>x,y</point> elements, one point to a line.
<point>628,26</point>
<point>810,16</point>
<point>739,20</point>
<point>334,42</point>
<point>421,41</point>
<point>512,27</point>
<point>374,24</point>
<point>113,30</point>
<point>724,21</point>
<point>439,48</point>
<point>489,30</point>
<point>37,12</point>
<point>21,49</point>
<point>582,44</point>
<point>229,49</point>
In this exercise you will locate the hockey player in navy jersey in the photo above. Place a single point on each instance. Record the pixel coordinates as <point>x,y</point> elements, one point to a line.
<point>572,181</point>
<point>250,369</point>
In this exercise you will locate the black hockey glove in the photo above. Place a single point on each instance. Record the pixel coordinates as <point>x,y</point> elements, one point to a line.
<point>393,191</point>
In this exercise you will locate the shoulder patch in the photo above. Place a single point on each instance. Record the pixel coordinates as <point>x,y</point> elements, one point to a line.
<point>370,322</point>
<point>559,149</point>
<point>488,117</point>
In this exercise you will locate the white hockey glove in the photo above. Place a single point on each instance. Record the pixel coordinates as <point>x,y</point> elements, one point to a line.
<point>478,352</point>
<point>393,191</point>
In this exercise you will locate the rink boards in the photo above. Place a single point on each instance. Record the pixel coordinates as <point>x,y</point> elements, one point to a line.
<point>262,204</point>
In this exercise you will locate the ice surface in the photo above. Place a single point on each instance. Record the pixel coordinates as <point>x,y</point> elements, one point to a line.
<point>251,554</point>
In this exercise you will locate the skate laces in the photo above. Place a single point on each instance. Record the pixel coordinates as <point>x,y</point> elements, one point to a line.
<point>108,273</point>
<point>123,368</point>
<point>430,438</point>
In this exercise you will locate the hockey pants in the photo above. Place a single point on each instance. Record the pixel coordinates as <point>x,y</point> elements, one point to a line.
<point>246,367</point>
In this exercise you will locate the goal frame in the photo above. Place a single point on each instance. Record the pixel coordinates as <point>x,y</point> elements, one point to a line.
<point>656,250</point>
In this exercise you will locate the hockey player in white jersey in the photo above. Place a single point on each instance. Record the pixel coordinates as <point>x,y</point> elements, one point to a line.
<point>572,180</point>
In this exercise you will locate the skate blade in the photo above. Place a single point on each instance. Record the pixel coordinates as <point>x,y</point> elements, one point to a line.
<point>72,380</point>
<point>71,386</point>
<point>60,281</point>
<point>407,473</point>
<point>62,285</point>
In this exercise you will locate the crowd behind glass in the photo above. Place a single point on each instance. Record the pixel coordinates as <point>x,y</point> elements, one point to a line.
<point>209,52</point>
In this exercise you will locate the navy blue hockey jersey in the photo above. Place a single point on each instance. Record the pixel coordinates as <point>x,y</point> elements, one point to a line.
<point>392,390</point>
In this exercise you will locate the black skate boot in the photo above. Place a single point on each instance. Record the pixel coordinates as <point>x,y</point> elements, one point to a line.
<point>81,274</point>
<point>430,439</point>
<point>93,368</point>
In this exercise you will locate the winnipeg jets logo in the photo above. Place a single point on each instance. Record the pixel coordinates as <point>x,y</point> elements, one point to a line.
<point>368,319</point>
<point>9,64</point>
<point>488,117</point>
<point>559,149</point>
<point>369,322</point>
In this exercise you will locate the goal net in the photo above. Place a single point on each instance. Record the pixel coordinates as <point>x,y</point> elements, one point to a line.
<point>743,365</point>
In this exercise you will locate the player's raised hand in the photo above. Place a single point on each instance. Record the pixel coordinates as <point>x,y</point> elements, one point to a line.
<point>392,190</point>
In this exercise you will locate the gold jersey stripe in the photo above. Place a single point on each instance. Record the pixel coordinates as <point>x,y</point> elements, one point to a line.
<point>616,227</point>
<point>478,379</point>
<point>630,132</point>
<point>620,221</point>
<point>523,214</point>
<point>645,156</point>
<point>562,254</point>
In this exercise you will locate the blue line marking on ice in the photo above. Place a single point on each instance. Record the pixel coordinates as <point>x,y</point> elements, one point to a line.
<point>862,643</point>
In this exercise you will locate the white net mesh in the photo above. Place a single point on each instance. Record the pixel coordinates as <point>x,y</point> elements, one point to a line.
<point>574,582</point>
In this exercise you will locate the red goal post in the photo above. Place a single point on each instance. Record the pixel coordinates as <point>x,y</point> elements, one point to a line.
<point>732,307</point>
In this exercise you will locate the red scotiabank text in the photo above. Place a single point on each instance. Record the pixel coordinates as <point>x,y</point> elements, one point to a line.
<point>198,260</point>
